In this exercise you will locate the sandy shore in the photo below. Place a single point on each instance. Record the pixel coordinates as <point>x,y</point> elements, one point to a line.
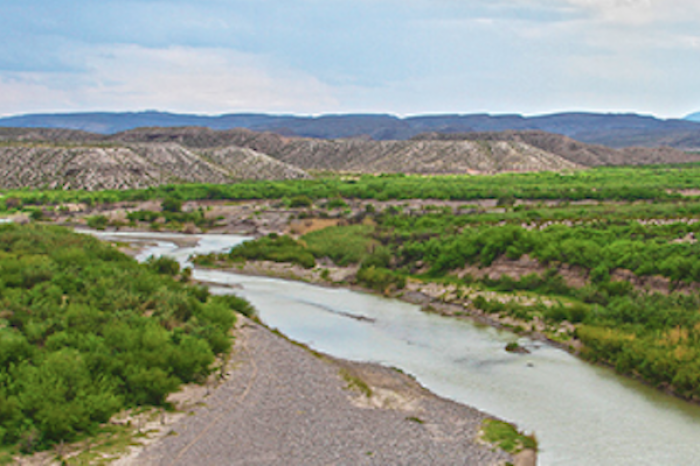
<point>282,404</point>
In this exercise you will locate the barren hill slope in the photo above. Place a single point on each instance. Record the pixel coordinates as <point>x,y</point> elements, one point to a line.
<point>367,156</point>
<point>575,151</point>
<point>424,157</point>
<point>85,166</point>
<point>247,164</point>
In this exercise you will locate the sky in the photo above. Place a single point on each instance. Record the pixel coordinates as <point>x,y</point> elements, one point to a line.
<point>402,57</point>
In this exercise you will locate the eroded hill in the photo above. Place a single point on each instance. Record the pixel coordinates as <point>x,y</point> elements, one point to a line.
<point>56,158</point>
<point>578,152</point>
<point>121,166</point>
<point>368,156</point>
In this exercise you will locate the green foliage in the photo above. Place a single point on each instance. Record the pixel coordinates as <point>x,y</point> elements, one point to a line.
<point>633,219</point>
<point>356,383</point>
<point>668,358</point>
<point>36,214</point>
<point>506,436</point>
<point>380,279</point>
<point>300,201</point>
<point>98,222</point>
<point>596,247</point>
<point>164,265</point>
<point>336,203</point>
<point>344,245</point>
<point>512,308</point>
<point>171,205</point>
<point>239,305</point>
<point>171,219</point>
<point>86,331</point>
<point>274,248</point>
<point>604,183</point>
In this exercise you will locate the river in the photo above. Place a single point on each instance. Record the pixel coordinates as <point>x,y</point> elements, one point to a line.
<point>581,414</point>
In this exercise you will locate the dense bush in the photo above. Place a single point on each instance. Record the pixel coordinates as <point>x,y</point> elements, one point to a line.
<point>171,205</point>
<point>274,248</point>
<point>86,331</point>
<point>172,218</point>
<point>380,279</point>
<point>98,222</point>
<point>598,248</point>
<point>344,245</point>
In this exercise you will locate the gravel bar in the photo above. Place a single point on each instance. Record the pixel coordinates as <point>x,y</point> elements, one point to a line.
<point>283,404</point>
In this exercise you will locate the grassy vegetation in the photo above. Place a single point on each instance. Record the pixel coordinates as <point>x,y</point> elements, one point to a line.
<point>634,224</point>
<point>356,241</point>
<point>653,334</point>
<point>506,437</point>
<point>86,331</point>
<point>356,383</point>
<point>272,247</point>
<point>655,183</point>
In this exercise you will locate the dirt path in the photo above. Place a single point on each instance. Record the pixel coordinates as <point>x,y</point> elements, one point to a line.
<point>284,405</point>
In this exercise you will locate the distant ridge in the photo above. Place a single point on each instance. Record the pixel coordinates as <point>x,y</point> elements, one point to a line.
<point>613,130</point>
<point>693,117</point>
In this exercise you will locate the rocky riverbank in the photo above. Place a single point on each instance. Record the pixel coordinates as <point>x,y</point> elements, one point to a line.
<point>284,404</point>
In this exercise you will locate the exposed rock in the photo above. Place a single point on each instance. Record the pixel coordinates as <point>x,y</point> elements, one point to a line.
<point>575,151</point>
<point>367,156</point>
<point>93,167</point>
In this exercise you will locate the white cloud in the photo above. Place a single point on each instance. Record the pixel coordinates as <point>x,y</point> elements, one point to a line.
<point>188,79</point>
<point>640,12</point>
<point>372,55</point>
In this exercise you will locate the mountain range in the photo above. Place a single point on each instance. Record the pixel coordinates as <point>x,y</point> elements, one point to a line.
<point>612,130</point>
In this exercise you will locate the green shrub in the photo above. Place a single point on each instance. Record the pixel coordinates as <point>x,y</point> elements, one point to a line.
<point>172,205</point>
<point>380,279</point>
<point>336,203</point>
<point>506,436</point>
<point>98,222</point>
<point>89,332</point>
<point>274,248</point>
<point>36,214</point>
<point>300,201</point>
<point>164,265</point>
<point>344,245</point>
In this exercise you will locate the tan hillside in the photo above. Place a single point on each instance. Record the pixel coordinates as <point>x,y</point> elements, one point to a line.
<point>367,156</point>
<point>248,164</point>
<point>575,151</point>
<point>424,157</point>
<point>116,166</point>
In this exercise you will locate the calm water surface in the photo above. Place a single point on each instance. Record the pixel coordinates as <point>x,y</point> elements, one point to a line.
<point>581,414</point>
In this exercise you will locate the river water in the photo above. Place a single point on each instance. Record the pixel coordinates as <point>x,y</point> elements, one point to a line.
<point>581,414</point>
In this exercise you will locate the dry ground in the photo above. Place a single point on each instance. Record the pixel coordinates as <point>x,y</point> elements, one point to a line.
<point>284,405</point>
